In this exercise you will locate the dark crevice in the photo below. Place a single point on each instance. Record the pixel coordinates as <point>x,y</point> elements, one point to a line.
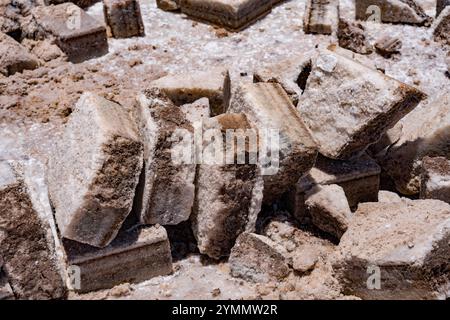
<point>303,76</point>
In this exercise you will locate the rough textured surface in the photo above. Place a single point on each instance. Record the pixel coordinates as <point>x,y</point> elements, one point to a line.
<point>441,27</point>
<point>388,196</point>
<point>5,289</point>
<point>183,88</point>
<point>14,57</point>
<point>440,5</point>
<point>267,107</point>
<point>26,238</point>
<point>321,16</point>
<point>124,18</point>
<point>407,240</point>
<point>166,188</point>
<point>435,179</point>
<point>234,14</point>
<point>387,46</point>
<point>168,5</point>
<point>329,209</point>
<point>348,106</point>
<point>78,35</point>
<point>352,36</point>
<point>100,158</point>
<point>228,197</point>
<point>257,258</point>
<point>134,256</point>
<point>425,131</point>
<point>394,11</point>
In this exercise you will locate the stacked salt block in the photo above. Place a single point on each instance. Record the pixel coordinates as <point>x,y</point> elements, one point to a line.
<point>435,179</point>
<point>268,107</point>
<point>256,258</point>
<point>123,18</point>
<point>77,34</point>
<point>393,250</point>
<point>321,16</point>
<point>347,106</point>
<point>184,88</point>
<point>228,195</point>
<point>234,15</point>
<point>391,11</point>
<point>14,57</point>
<point>441,27</point>
<point>166,190</point>
<point>99,160</point>
<point>134,256</point>
<point>425,131</point>
<point>27,237</point>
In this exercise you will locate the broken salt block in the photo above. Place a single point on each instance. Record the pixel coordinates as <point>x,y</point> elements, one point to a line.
<point>256,258</point>
<point>229,195</point>
<point>423,132</point>
<point>77,34</point>
<point>391,11</point>
<point>94,170</point>
<point>441,27</point>
<point>352,36</point>
<point>348,106</point>
<point>123,17</point>
<point>387,46</point>
<point>168,5</point>
<point>27,239</point>
<point>233,15</point>
<point>329,209</point>
<point>184,88</point>
<point>291,74</point>
<point>268,107</point>
<point>196,111</point>
<point>359,177</point>
<point>14,57</point>
<point>435,179</point>
<point>321,16</point>
<point>388,196</point>
<point>396,250</point>
<point>134,256</point>
<point>166,189</point>
<point>440,6</point>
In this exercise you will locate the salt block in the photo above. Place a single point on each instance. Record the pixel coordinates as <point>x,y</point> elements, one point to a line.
<point>27,243</point>
<point>441,27</point>
<point>228,195</point>
<point>197,111</point>
<point>94,170</point>
<point>123,18</point>
<point>435,179</point>
<point>388,196</point>
<point>396,250</point>
<point>77,34</point>
<point>184,88</point>
<point>14,57</point>
<point>256,258</point>
<point>168,5</point>
<point>321,16</point>
<point>268,107</point>
<point>166,190</point>
<point>233,15</point>
<point>329,209</point>
<point>353,36</point>
<point>134,256</point>
<point>391,11</point>
<point>348,106</point>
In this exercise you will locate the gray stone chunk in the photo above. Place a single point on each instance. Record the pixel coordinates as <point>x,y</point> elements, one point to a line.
<point>329,209</point>
<point>94,170</point>
<point>404,243</point>
<point>14,57</point>
<point>268,107</point>
<point>184,88</point>
<point>228,196</point>
<point>134,256</point>
<point>166,190</point>
<point>78,35</point>
<point>435,179</point>
<point>256,258</point>
<point>348,106</point>
<point>231,14</point>
<point>27,244</point>
<point>392,11</point>
<point>123,18</point>
<point>321,16</point>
